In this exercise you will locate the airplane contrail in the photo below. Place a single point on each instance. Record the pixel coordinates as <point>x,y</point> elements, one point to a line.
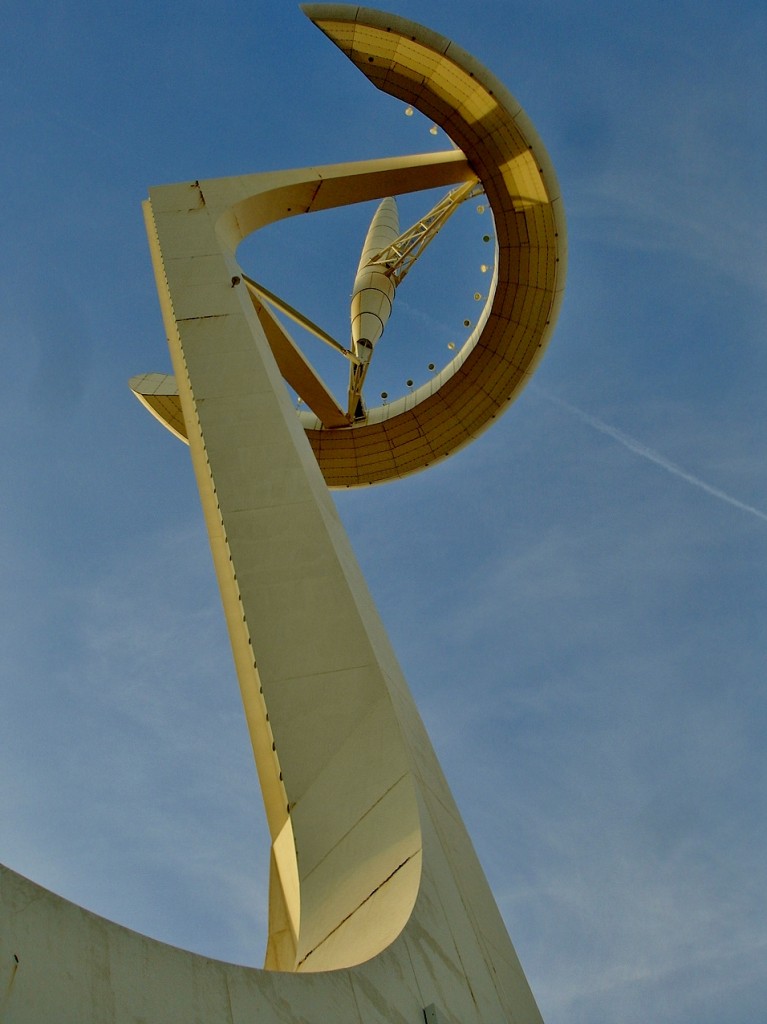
<point>648,453</point>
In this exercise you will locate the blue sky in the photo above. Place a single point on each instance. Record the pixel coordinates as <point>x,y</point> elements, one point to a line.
<point>578,598</point>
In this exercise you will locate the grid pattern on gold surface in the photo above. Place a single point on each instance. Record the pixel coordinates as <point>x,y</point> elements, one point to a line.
<point>430,73</point>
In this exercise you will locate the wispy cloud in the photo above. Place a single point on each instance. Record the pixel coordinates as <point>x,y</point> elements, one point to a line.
<point>135,793</point>
<point>642,450</point>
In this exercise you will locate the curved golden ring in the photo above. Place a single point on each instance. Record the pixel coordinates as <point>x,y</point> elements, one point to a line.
<point>438,78</point>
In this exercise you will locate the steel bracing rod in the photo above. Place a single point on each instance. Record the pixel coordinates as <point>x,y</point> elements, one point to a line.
<point>296,317</point>
<point>399,257</point>
<point>356,409</point>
